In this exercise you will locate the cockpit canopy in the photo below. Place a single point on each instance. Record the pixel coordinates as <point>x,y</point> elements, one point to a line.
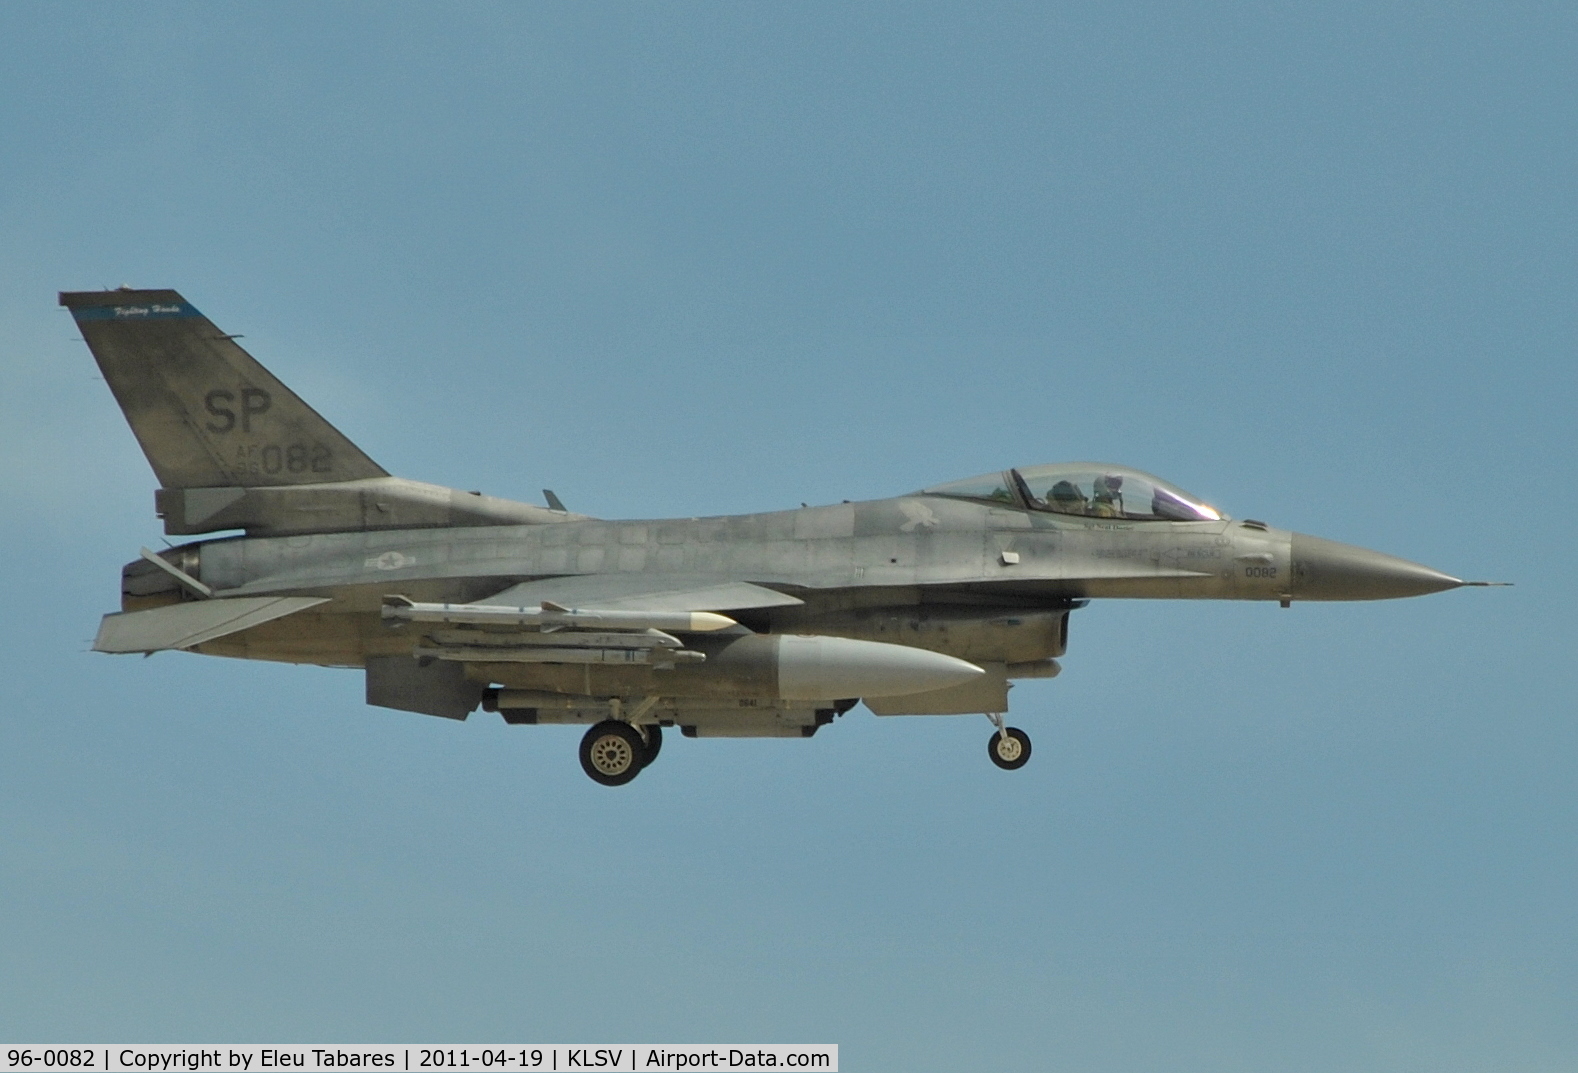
<point>1087,490</point>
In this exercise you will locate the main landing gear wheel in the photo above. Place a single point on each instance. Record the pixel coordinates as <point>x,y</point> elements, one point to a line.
<point>613,753</point>
<point>1009,748</point>
<point>654,743</point>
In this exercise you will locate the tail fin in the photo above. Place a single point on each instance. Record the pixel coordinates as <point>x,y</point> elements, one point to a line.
<point>205,412</point>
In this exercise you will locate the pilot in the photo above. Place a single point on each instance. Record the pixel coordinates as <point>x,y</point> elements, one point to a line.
<point>1066,498</point>
<point>1108,499</point>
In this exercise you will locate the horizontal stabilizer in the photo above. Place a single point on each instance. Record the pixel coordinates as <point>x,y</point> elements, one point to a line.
<point>188,624</point>
<point>627,592</point>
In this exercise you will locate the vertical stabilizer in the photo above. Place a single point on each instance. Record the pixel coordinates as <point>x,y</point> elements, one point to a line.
<point>205,412</point>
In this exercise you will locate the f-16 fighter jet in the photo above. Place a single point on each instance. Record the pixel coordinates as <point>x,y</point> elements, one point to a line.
<point>752,625</point>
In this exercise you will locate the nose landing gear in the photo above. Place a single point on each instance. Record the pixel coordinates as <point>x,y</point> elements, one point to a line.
<point>1009,748</point>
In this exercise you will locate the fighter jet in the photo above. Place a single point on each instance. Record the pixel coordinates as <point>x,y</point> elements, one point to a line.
<point>753,625</point>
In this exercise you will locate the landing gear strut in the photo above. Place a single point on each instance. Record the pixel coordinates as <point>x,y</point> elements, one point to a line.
<point>1009,748</point>
<point>654,743</point>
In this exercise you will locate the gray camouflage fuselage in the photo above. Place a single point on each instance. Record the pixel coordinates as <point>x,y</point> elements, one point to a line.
<point>828,604</point>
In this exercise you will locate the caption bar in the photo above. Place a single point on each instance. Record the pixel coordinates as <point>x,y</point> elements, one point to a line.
<point>545,1057</point>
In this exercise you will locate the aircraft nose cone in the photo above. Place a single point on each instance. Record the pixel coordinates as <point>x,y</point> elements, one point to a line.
<point>1327,570</point>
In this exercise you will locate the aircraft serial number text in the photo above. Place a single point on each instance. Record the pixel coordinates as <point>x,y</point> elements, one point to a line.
<point>273,458</point>
<point>65,1058</point>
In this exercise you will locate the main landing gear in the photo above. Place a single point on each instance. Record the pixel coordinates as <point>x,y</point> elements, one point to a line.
<point>1009,748</point>
<point>613,752</point>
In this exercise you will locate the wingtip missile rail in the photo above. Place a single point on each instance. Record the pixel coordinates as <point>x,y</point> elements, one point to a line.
<point>550,616</point>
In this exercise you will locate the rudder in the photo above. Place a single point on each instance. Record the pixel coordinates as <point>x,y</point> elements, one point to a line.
<point>205,413</point>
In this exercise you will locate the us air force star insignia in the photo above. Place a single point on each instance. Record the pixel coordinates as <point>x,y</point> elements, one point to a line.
<point>390,560</point>
<point>918,513</point>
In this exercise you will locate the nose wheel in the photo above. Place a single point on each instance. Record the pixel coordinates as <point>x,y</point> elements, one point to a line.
<point>1009,748</point>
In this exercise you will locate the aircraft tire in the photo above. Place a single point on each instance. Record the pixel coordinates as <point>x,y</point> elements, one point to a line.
<point>653,745</point>
<point>1009,750</point>
<point>612,753</point>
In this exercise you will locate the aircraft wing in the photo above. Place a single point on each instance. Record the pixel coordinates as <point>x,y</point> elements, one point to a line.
<point>188,624</point>
<point>636,592</point>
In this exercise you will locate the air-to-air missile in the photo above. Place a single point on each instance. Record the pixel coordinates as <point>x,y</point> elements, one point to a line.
<point>550,616</point>
<point>758,625</point>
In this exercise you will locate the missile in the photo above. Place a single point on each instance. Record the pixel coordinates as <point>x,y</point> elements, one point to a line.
<point>551,616</point>
<point>560,638</point>
<point>544,654</point>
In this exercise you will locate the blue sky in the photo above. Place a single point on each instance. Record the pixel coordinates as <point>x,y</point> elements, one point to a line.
<point>1315,264</point>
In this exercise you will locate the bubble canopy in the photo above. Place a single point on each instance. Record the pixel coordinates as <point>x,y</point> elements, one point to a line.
<point>1086,490</point>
